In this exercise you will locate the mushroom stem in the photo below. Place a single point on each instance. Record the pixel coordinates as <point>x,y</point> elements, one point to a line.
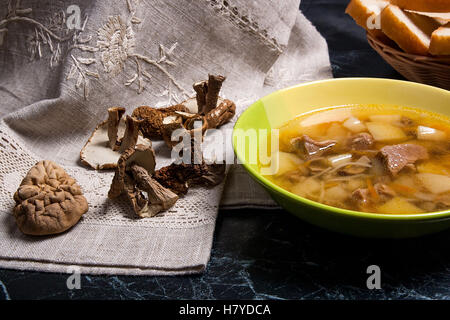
<point>131,134</point>
<point>221,114</point>
<point>114,116</point>
<point>201,88</point>
<point>212,94</point>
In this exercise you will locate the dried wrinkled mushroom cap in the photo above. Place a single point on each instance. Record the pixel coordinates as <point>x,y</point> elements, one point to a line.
<point>133,178</point>
<point>48,200</point>
<point>140,155</point>
<point>98,154</point>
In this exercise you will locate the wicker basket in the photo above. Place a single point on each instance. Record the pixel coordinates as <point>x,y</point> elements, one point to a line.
<point>434,71</point>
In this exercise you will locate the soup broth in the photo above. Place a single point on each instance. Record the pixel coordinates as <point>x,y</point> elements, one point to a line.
<point>379,159</point>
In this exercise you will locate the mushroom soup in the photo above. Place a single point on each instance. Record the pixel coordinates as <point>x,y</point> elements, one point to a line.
<point>379,159</point>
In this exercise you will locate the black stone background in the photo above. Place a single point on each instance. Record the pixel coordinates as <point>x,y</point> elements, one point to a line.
<point>269,254</point>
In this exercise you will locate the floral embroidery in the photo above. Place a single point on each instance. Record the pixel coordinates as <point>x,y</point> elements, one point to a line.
<point>115,46</point>
<point>51,36</point>
<point>55,38</point>
<point>116,42</point>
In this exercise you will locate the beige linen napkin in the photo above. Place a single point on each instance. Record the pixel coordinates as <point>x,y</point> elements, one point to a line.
<point>64,62</point>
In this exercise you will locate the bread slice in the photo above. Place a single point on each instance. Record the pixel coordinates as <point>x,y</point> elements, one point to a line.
<point>411,32</point>
<point>423,5</point>
<point>441,17</point>
<point>440,41</point>
<point>366,14</point>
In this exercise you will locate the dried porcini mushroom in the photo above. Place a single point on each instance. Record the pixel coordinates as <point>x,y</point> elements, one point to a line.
<point>207,107</point>
<point>133,177</point>
<point>221,114</point>
<point>201,88</point>
<point>212,111</point>
<point>179,177</point>
<point>152,118</point>
<point>104,147</point>
<point>208,93</point>
<point>169,125</point>
<point>131,135</point>
<point>48,200</point>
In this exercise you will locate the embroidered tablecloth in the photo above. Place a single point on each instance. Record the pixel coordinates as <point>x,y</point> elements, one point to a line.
<point>64,62</point>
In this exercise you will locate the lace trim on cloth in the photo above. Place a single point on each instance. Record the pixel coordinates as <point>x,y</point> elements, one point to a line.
<point>244,21</point>
<point>188,212</point>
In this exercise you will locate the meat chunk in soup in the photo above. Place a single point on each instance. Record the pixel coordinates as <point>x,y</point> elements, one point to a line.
<point>310,148</point>
<point>363,196</point>
<point>362,141</point>
<point>384,191</point>
<point>399,156</point>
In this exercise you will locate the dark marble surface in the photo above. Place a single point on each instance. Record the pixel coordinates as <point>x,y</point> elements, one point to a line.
<point>269,254</point>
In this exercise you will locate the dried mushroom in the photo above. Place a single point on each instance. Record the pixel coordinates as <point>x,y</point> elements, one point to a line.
<point>152,119</point>
<point>133,177</point>
<point>179,177</point>
<point>216,117</point>
<point>48,200</point>
<point>104,147</point>
<point>114,116</point>
<point>126,146</point>
<point>131,134</point>
<point>169,125</point>
<point>208,93</point>
<point>220,115</point>
<point>207,107</point>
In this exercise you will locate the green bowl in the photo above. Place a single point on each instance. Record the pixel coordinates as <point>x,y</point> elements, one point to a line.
<point>279,107</point>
